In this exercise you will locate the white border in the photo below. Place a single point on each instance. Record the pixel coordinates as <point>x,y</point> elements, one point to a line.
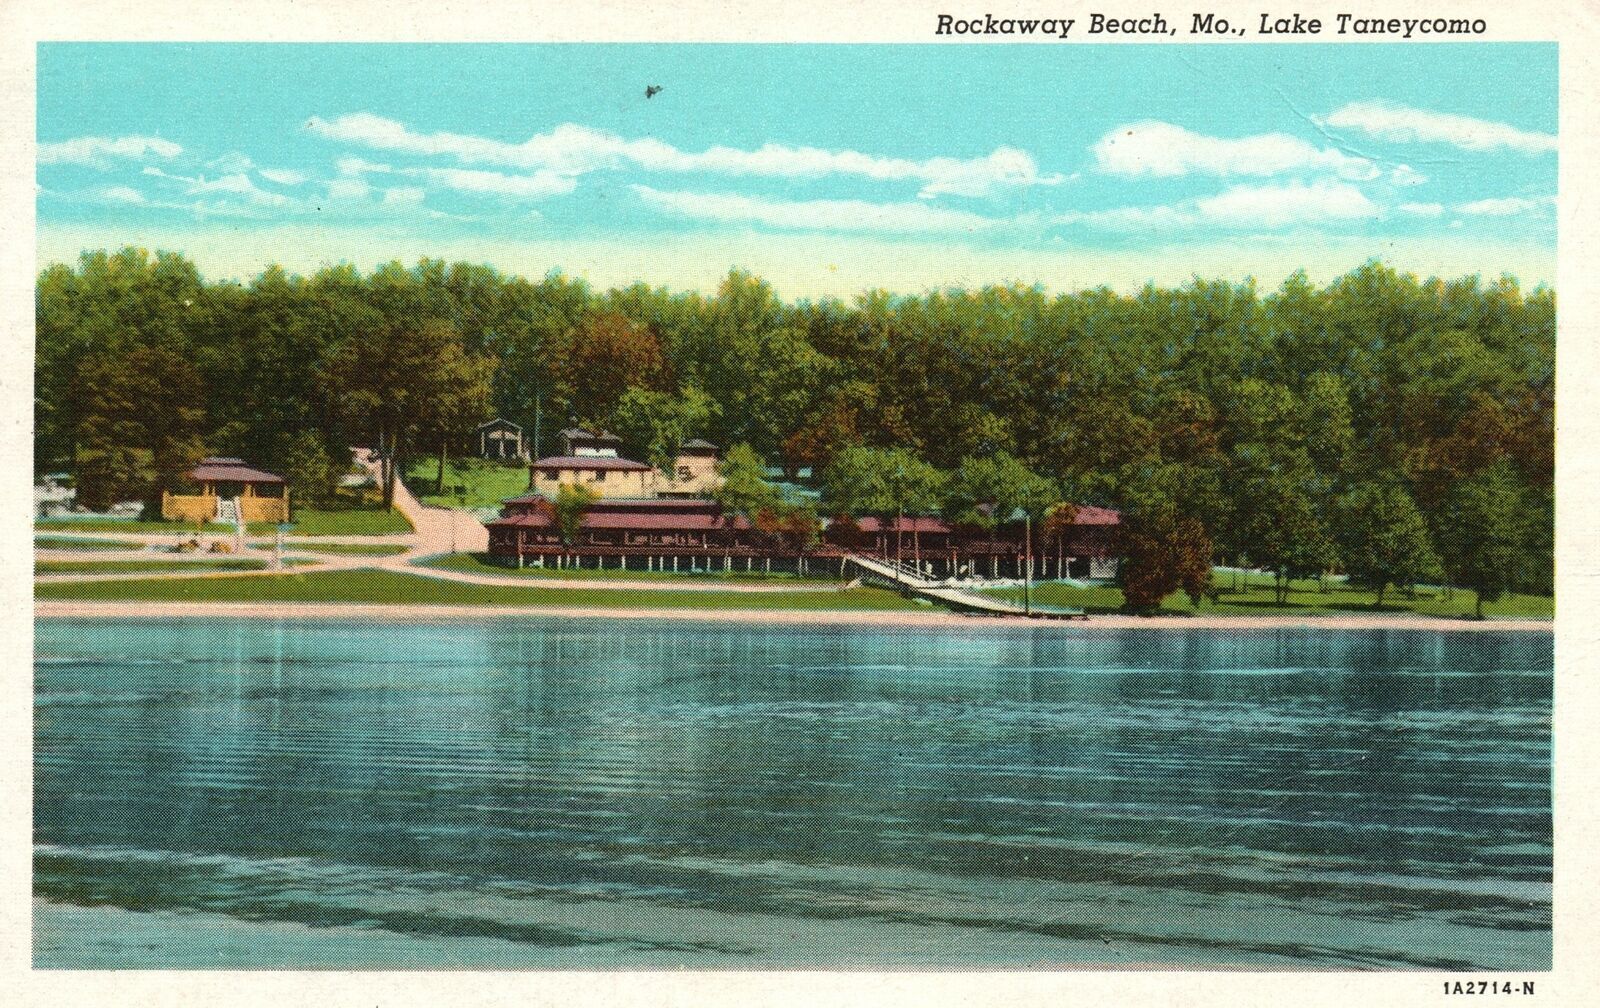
<point>23,23</point>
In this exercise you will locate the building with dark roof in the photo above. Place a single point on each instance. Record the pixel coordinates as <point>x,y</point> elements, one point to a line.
<point>645,519</point>
<point>500,439</point>
<point>230,489</point>
<point>593,461</point>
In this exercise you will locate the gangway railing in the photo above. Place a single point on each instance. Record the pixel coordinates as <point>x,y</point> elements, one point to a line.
<point>958,598</point>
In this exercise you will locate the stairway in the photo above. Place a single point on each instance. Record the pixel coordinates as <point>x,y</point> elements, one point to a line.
<point>903,575</point>
<point>228,510</point>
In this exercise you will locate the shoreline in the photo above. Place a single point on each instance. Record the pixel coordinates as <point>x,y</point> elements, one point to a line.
<point>364,611</point>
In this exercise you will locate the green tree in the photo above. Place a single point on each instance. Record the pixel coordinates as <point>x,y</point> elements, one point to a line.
<point>1481,532</point>
<point>744,489</point>
<point>141,431</point>
<point>887,482</point>
<point>991,489</point>
<point>1161,553</point>
<point>853,482</point>
<point>1277,515</point>
<point>914,488</point>
<point>611,353</point>
<point>460,401</point>
<point>308,470</point>
<point>1383,540</point>
<point>571,504</point>
<point>1285,534</point>
<point>658,423</point>
<point>397,376</point>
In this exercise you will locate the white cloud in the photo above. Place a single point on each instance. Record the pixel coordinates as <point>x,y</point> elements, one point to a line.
<point>1505,206</point>
<point>404,195</point>
<point>1276,206</point>
<point>1164,150</point>
<point>348,189</point>
<point>358,166</point>
<point>239,185</point>
<point>571,149</point>
<point>1134,218</point>
<point>1421,209</point>
<point>284,176</point>
<point>231,162</point>
<point>235,184</point>
<point>122,194</point>
<point>1240,207</point>
<point>1405,175</point>
<point>536,186</point>
<point>815,215</point>
<point>1388,121</point>
<point>98,151</point>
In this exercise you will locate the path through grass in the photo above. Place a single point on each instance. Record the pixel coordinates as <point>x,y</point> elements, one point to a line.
<point>48,542</point>
<point>154,564</point>
<point>392,588</point>
<point>342,549</point>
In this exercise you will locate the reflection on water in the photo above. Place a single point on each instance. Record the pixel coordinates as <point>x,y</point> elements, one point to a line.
<point>533,792</point>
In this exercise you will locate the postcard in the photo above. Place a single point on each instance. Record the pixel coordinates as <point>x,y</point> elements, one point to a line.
<point>1027,495</point>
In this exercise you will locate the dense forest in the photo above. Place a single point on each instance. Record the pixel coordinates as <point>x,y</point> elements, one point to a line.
<point>1394,428</point>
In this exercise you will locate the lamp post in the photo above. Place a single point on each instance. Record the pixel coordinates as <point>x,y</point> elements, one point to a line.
<point>1027,564</point>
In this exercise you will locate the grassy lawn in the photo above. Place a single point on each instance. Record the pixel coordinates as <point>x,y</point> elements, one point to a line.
<point>407,589</point>
<point>475,563</point>
<point>312,522</point>
<point>351,512</point>
<point>119,525</point>
<point>343,549</point>
<point>154,564</point>
<point>1255,598</point>
<point>86,545</point>
<point>486,483</point>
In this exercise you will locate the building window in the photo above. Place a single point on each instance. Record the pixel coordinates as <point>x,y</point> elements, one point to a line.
<point>600,476</point>
<point>685,473</point>
<point>549,475</point>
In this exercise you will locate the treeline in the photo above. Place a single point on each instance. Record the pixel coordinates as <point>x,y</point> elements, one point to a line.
<point>1300,429</point>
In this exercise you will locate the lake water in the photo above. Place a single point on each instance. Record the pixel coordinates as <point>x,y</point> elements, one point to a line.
<point>529,792</point>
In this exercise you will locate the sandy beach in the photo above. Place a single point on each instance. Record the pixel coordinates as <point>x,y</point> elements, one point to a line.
<point>440,613</point>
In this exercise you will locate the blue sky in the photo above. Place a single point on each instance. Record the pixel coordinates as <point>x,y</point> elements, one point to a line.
<point>826,169</point>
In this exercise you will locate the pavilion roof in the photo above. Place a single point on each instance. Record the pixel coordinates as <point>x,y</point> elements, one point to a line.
<point>226,469</point>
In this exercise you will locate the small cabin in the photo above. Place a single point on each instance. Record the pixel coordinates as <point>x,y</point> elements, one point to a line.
<point>230,490</point>
<point>576,441</point>
<point>694,471</point>
<point>501,439</point>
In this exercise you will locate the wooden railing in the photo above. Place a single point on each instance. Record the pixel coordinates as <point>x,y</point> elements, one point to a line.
<point>188,507</point>
<point>265,509</point>
<point>203,508</point>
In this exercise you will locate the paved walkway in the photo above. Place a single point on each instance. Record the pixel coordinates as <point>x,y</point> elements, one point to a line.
<point>607,584</point>
<point>438,530</point>
<point>177,536</point>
